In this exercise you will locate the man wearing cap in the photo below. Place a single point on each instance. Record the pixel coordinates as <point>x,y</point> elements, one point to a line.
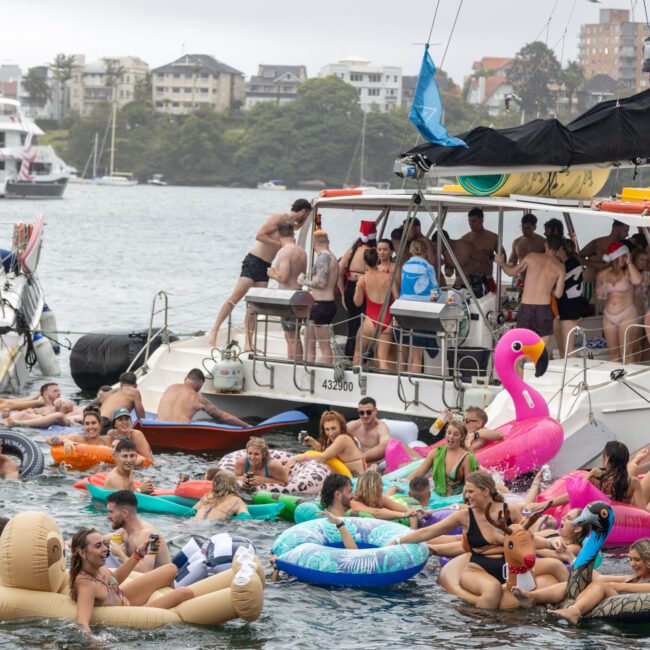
<point>486,240</point>
<point>127,396</point>
<point>544,277</point>
<point>122,430</point>
<point>323,282</point>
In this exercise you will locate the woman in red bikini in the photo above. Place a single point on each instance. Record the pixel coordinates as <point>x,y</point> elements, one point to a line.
<point>373,287</point>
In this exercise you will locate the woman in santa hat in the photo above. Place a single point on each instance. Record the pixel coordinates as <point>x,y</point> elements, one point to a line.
<point>615,285</point>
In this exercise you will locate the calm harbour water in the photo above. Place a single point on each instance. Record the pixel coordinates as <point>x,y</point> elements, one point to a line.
<point>107,251</point>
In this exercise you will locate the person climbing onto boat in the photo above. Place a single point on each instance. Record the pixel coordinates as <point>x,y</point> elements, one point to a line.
<point>123,430</point>
<point>91,435</point>
<point>450,463</point>
<point>570,305</point>
<point>127,396</point>
<point>615,286</point>
<point>325,275</point>
<point>181,402</point>
<point>92,584</point>
<point>598,590</point>
<point>370,432</point>
<point>222,501</point>
<point>544,277</point>
<point>369,498</point>
<point>9,469</point>
<point>290,263</point>
<point>372,289</point>
<point>256,264</point>
<point>528,241</point>
<point>257,468</point>
<point>334,442</point>
<point>351,269</point>
<point>485,240</point>
<point>121,476</point>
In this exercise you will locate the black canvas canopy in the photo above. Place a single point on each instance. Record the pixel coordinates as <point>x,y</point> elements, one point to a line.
<point>611,131</point>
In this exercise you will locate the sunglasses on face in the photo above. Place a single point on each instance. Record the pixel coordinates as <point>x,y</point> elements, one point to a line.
<point>362,412</point>
<point>470,420</point>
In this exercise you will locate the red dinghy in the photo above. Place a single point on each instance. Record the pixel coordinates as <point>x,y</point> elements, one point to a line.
<point>210,436</point>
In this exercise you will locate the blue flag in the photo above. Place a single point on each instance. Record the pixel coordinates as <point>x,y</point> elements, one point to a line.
<point>426,110</point>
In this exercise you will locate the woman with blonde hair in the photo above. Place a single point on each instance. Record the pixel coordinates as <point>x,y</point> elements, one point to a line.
<point>223,500</point>
<point>256,467</point>
<point>334,442</point>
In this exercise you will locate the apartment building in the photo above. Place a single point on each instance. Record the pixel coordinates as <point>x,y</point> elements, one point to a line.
<point>275,83</point>
<point>614,47</point>
<point>90,84</point>
<point>181,86</point>
<point>379,87</point>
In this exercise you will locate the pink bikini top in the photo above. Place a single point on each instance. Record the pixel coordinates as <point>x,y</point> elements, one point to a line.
<point>621,286</point>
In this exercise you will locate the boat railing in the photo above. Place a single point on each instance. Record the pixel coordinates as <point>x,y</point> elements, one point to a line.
<point>583,385</point>
<point>163,332</point>
<point>641,326</point>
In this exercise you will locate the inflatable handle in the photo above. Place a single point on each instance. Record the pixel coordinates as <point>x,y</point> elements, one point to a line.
<point>334,464</point>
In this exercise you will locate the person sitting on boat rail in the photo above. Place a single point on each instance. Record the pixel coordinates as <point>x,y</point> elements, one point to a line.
<point>256,264</point>
<point>8,467</point>
<point>122,430</point>
<point>486,240</point>
<point>91,435</point>
<point>615,286</point>
<point>127,396</point>
<point>371,433</point>
<point>334,442</point>
<point>257,468</point>
<point>290,263</point>
<point>544,276</point>
<point>121,476</point>
<point>181,402</point>
<point>325,275</point>
<point>528,242</point>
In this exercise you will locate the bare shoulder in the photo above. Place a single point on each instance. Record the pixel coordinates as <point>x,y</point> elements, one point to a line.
<point>353,425</point>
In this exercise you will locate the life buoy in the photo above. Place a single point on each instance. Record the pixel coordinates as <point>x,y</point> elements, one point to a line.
<point>31,458</point>
<point>330,194</point>
<point>624,207</point>
<point>85,456</point>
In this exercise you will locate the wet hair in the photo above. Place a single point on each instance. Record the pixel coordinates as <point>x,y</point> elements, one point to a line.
<point>326,417</point>
<point>369,489</point>
<point>569,247</point>
<point>129,379</point>
<point>78,543</point>
<point>529,218</point>
<point>44,387</point>
<point>370,257</point>
<point>286,230</point>
<point>123,499</point>
<point>554,242</point>
<point>368,400</point>
<point>3,522</point>
<point>418,248</point>
<point>224,484</point>
<point>615,477</point>
<point>259,443</point>
<point>300,204</point>
<point>195,375</point>
<point>476,212</point>
<point>388,243</point>
<point>211,472</point>
<point>478,411</point>
<point>483,481</point>
<point>125,445</point>
<point>642,547</point>
<point>419,485</point>
<point>555,226</point>
<point>332,484</point>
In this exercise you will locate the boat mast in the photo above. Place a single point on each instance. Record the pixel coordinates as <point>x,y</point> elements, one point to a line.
<point>363,149</point>
<point>113,137</point>
<point>95,149</point>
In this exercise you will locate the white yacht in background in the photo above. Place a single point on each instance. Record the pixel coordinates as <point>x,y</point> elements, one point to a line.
<point>27,170</point>
<point>272,185</point>
<point>157,180</point>
<point>117,180</point>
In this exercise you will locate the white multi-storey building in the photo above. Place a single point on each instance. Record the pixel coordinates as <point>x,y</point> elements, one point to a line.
<point>378,86</point>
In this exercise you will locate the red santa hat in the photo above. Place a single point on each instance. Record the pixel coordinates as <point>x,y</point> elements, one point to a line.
<point>614,250</point>
<point>367,230</point>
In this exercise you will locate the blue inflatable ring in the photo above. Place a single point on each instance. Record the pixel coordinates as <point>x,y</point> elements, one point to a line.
<point>313,551</point>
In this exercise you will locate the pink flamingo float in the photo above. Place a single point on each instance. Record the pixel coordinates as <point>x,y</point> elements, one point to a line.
<point>533,437</point>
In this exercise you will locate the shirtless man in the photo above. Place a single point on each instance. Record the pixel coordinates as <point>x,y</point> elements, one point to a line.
<point>290,262</point>
<point>122,430</point>
<point>371,433</point>
<point>181,402</point>
<point>256,264</point>
<point>122,506</point>
<point>325,275</point>
<point>553,227</point>
<point>544,276</point>
<point>65,415</point>
<point>485,240</point>
<point>529,242</point>
<point>592,254</point>
<point>127,396</point>
<point>43,405</point>
<point>121,476</point>
<point>8,467</point>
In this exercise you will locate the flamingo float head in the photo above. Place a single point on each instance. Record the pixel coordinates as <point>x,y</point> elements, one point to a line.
<point>519,343</point>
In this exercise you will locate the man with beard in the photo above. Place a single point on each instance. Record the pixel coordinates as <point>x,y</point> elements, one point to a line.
<point>336,494</point>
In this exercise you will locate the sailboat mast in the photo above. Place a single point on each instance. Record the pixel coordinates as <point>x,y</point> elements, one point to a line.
<point>363,149</point>
<point>95,149</point>
<point>113,138</point>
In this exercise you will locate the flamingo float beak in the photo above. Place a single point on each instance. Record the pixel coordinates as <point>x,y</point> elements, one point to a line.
<point>538,355</point>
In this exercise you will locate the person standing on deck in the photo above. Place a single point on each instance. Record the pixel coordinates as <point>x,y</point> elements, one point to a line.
<point>486,240</point>
<point>529,242</point>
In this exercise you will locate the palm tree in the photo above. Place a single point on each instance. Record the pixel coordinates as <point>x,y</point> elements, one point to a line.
<point>572,78</point>
<point>35,83</point>
<point>62,69</point>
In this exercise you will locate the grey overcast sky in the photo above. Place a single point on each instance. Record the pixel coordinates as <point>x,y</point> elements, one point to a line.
<point>247,32</point>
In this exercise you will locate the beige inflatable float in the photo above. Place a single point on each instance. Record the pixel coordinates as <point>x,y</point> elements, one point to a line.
<point>34,584</point>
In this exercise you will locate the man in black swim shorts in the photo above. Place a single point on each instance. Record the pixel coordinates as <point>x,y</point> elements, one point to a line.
<point>255,266</point>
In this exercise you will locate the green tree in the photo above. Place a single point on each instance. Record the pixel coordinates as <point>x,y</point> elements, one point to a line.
<point>535,75</point>
<point>62,69</point>
<point>572,78</point>
<point>35,83</point>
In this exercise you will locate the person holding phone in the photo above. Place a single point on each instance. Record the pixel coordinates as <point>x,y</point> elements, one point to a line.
<point>256,467</point>
<point>615,286</point>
